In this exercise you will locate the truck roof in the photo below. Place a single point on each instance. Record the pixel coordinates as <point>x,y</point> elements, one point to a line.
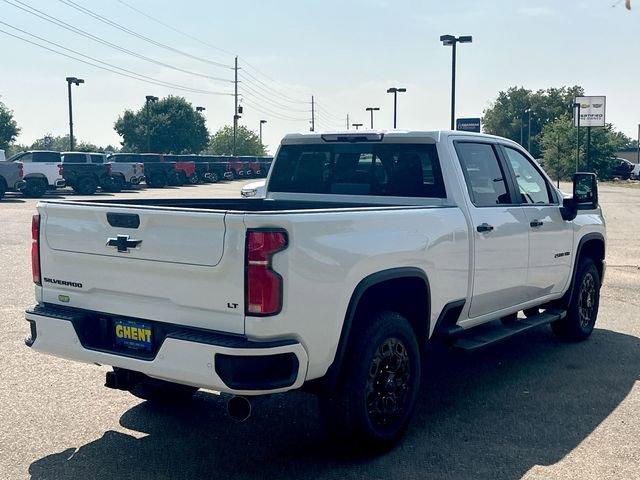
<point>423,136</point>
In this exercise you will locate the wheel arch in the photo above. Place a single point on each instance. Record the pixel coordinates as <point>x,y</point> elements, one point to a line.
<point>406,281</point>
<point>591,245</point>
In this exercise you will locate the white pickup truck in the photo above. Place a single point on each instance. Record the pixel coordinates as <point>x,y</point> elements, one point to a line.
<point>367,247</point>
<point>42,171</point>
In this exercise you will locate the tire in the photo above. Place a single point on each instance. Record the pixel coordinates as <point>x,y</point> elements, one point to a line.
<point>35,188</point>
<point>174,180</point>
<point>86,186</point>
<point>194,179</point>
<point>356,410</point>
<point>583,310</point>
<point>160,391</point>
<point>215,178</point>
<point>156,180</point>
<point>113,184</point>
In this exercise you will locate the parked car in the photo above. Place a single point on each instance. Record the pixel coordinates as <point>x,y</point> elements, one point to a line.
<point>240,167</point>
<point>84,175</point>
<point>221,165</point>
<point>201,167</point>
<point>124,174</point>
<point>156,173</point>
<point>367,248</point>
<point>622,168</point>
<point>254,189</point>
<point>11,177</point>
<point>42,171</point>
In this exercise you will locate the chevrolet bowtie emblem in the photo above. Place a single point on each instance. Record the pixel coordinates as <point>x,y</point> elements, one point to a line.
<point>123,243</point>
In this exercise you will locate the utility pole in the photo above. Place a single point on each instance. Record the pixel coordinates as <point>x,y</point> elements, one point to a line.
<point>348,126</point>
<point>371,110</point>
<point>75,81</point>
<point>235,108</point>
<point>357,125</point>
<point>588,147</point>
<point>313,115</point>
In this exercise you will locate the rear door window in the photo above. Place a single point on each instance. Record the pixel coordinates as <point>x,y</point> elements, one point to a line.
<point>483,174</point>
<point>97,158</point>
<point>74,158</point>
<point>46,157</point>
<point>402,170</point>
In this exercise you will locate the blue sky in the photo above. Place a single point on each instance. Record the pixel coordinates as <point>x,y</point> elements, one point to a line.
<point>346,53</point>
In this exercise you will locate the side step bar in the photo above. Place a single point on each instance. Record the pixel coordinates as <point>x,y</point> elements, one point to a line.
<point>479,337</point>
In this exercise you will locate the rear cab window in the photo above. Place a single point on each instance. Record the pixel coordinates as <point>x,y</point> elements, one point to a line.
<point>46,157</point>
<point>74,158</point>
<point>97,158</point>
<point>378,169</point>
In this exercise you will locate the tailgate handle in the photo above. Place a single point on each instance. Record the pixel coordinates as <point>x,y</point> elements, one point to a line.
<point>123,220</point>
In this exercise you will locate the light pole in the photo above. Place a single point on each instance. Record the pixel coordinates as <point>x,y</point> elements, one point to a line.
<point>200,109</point>
<point>395,92</point>
<point>638,146</point>
<point>452,41</point>
<point>357,125</point>
<point>262,122</point>
<point>371,110</point>
<point>577,106</point>
<point>528,112</point>
<point>149,99</point>
<point>75,81</point>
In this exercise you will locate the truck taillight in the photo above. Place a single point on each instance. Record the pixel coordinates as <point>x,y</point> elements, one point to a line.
<point>35,249</point>
<point>263,285</point>
<point>21,170</point>
<point>108,169</point>
<point>60,169</point>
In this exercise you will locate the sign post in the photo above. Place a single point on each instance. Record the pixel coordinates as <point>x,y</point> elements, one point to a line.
<point>591,113</point>
<point>468,124</point>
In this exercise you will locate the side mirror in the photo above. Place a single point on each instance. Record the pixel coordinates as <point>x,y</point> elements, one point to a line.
<point>585,195</point>
<point>585,191</point>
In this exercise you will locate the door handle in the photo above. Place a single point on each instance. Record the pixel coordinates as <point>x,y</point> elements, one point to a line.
<point>484,227</point>
<point>535,223</point>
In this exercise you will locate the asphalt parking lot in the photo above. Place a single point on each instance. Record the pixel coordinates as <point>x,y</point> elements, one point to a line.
<point>531,408</point>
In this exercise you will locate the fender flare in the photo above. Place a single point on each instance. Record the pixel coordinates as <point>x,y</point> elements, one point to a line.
<point>566,298</point>
<point>330,379</point>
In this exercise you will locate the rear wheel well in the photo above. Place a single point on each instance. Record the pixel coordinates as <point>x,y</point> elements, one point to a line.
<point>408,296</point>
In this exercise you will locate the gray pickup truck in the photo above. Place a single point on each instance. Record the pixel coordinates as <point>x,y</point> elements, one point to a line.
<point>11,177</point>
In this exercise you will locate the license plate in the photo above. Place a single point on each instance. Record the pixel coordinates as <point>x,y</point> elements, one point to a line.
<point>133,334</point>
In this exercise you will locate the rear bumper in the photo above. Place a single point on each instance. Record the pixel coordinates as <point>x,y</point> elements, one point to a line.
<point>221,362</point>
<point>60,183</point>
<point>136,180</point>
<point>20,184</point>
<point>228,175</point>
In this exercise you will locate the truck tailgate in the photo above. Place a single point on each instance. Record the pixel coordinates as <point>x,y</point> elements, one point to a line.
<point>153,263</point>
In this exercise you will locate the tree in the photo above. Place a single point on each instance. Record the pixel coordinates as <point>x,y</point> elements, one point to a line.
<point>247,142</point>
<point>8,127</point>
<point>170,125</point>
<point>506,116</point>
<point>558,141</point>
<point>60,143</point>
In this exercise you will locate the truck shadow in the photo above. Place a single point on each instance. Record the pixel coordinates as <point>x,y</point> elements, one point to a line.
<point>492,415</point>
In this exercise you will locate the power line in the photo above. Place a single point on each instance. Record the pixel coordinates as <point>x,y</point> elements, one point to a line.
<point>171,27</point>
<point>273,90</point>
<point>270,101</point>
<point>120,27</point>
<point>322,109</point>
<point>261,108</point>
<point>109,66</point>
<point>44,16</point>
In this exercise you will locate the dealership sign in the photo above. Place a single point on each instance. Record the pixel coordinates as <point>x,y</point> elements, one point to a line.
<point>468,124</point>
<point>592,111</point>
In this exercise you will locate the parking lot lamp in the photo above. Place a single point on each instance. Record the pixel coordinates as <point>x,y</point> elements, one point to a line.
<point>371,110</point>
<point>149,99</point>
<point>70,81</point>
<point>395,91</point>
<point>452,41</point>
<point>357,125</point>
<point>262,122</point>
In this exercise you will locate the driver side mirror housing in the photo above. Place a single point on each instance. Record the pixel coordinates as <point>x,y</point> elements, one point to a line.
<point>585,195</point>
